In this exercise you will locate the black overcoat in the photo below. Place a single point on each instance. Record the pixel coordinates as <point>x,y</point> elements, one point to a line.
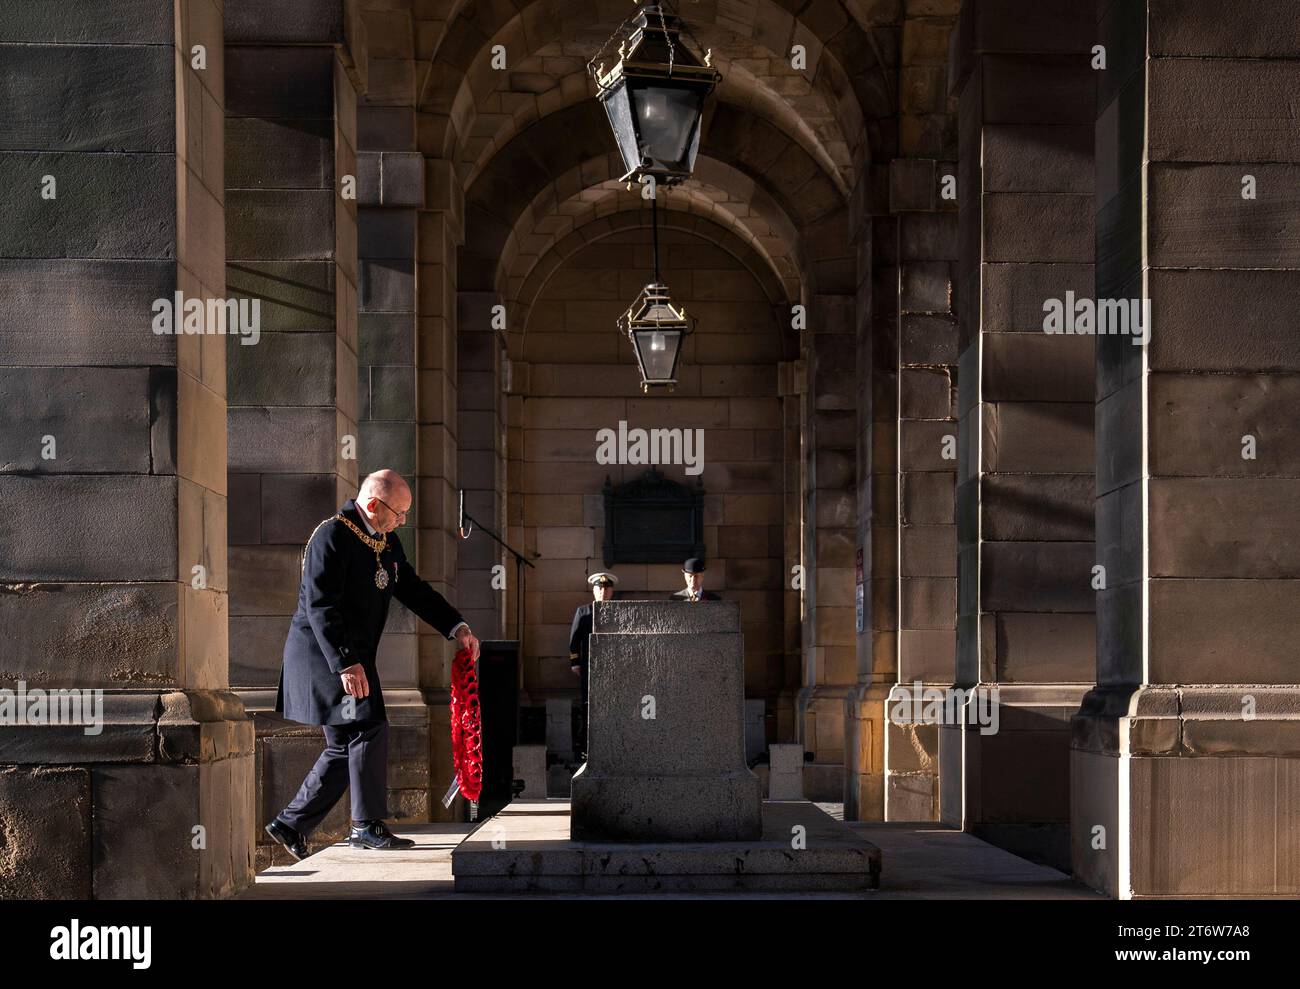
<point>340,617</point>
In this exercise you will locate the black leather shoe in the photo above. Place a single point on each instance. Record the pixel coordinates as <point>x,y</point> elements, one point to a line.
<point>375,834</point>
<point>294,843</point>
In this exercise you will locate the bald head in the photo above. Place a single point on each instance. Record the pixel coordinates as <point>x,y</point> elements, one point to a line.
<point>385,497</point>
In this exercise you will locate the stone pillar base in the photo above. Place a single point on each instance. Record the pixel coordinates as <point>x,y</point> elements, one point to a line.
<point>1010,774</point>
<point>437,704</point>
<point>1175,793</point>
<point>821,719</point>
<point>157,806</point>
<point>864,738</point>
<point>911,756</point>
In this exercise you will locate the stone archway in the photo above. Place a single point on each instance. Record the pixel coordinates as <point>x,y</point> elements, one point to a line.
<point>573,374</point>
<point>910,414</point>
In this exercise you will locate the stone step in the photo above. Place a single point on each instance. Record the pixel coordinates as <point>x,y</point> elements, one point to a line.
<point>527,848</point>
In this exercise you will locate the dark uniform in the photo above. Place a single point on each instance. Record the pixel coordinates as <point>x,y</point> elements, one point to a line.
<point>579,647</point>
<point>685,595</point>
<point>340,617</point>
<point>580,651</point>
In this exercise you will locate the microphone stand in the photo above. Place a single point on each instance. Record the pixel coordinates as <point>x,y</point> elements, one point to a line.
<point>520,562</point>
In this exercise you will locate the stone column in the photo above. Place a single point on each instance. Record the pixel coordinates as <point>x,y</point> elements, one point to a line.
<point>925,355</point>
<point>291,86</point>
<point>480,433</point>
<point>113,493</point>
<point>391,190</point>
<point>830,539</point>
<point>1025,461</point>
<point>1185,760</point>
<point>907,375</point>
<point>877,535</point>
<point>792,384</point>
<point>439,236</point>
<point>512,411</point>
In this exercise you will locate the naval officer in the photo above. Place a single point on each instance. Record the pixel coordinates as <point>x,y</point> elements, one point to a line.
<point>693,573</point>
<point>352,566</point>
<point>602,589</point>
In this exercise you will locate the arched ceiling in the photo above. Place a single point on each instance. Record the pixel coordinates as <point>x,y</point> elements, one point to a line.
<point>752,161</point>
<point>597,228</point>
<point>781,147</point>
<point>855,37</point>
<point>537,86</point>
<point>573,200</point>
<point>847,77</point>
<point>598,211</point>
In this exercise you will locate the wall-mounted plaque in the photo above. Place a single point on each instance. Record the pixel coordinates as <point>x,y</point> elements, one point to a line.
<point>653,520</point>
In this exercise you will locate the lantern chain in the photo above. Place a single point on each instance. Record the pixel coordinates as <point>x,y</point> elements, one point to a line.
<point>654,232</point>
<point>621,32</point>
<point>685,28</point>
<point>672,49</point>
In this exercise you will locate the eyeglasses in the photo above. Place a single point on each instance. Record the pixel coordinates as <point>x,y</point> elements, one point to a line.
<point>400,515</point>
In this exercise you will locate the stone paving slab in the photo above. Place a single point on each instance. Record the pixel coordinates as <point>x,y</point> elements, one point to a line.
<point>926,861</point>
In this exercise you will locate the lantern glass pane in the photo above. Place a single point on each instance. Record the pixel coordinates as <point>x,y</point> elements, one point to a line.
<point>620,121</point>
<point>666,118</point>
<point>658,352</point>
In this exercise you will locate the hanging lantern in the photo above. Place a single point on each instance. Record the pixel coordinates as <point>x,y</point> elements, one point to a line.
<point>654,97</point>
<point>656,328</point>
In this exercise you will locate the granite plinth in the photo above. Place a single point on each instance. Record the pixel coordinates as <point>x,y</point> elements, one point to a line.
<point>666,737</point>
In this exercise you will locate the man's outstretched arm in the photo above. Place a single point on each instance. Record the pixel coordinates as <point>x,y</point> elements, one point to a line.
<point>430,606</point>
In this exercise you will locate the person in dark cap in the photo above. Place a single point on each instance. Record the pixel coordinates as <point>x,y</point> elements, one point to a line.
<point>693,571</point>
<point>602,589</point>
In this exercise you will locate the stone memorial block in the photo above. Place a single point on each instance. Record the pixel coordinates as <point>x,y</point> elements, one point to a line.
<point>666,741</point>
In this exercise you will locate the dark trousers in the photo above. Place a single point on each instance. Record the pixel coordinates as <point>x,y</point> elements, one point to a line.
<point>356,756</point>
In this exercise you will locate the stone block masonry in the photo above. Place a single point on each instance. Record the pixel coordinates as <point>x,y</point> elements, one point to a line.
<point>111,147</point>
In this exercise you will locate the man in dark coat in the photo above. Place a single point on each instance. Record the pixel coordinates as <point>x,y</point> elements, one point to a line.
<point>693,572</point>
<point>602,589</point>
<point>352,567</point>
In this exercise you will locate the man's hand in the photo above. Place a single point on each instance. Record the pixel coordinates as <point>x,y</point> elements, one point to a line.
<point>467,640</point>
<point>576,669</point>
<point>354,680</point>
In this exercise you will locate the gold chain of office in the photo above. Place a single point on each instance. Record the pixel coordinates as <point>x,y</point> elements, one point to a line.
<point>378,545</point>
